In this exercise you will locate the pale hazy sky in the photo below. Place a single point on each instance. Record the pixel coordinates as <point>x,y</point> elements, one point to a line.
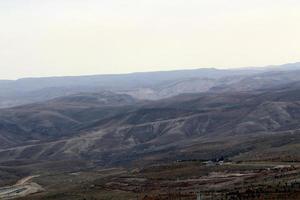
<point>74,37</point>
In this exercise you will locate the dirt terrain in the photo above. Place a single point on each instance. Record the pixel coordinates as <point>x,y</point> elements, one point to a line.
<point>179,180</point>
<point>22,188</point>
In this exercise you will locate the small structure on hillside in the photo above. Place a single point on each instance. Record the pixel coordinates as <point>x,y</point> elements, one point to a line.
<point>215,162</point>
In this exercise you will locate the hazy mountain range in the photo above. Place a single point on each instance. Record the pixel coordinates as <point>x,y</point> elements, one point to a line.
<point>152,85</point>
<point>119,119</point>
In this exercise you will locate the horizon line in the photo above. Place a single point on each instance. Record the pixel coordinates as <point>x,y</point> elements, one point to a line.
<point>154,71</point>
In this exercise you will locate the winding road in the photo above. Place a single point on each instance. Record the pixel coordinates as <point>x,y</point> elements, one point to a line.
<point>22,188</point>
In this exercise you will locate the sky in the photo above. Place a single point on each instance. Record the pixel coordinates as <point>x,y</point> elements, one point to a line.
<point>79,37</point>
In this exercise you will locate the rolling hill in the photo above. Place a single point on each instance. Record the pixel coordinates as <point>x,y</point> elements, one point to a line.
<point>111,129</point>
<point>109,135</point>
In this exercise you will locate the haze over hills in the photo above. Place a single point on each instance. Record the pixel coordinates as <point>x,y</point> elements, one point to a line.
<point>152,85</point>
<point>64,125</point>
<point>79,128</point>
<point>149,100</point>
<point>110,121</point>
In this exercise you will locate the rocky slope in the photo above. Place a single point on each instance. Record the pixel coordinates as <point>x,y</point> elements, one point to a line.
<point>111,129</point>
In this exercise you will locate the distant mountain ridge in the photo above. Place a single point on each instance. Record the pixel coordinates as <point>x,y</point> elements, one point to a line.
<point>151,85</point>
